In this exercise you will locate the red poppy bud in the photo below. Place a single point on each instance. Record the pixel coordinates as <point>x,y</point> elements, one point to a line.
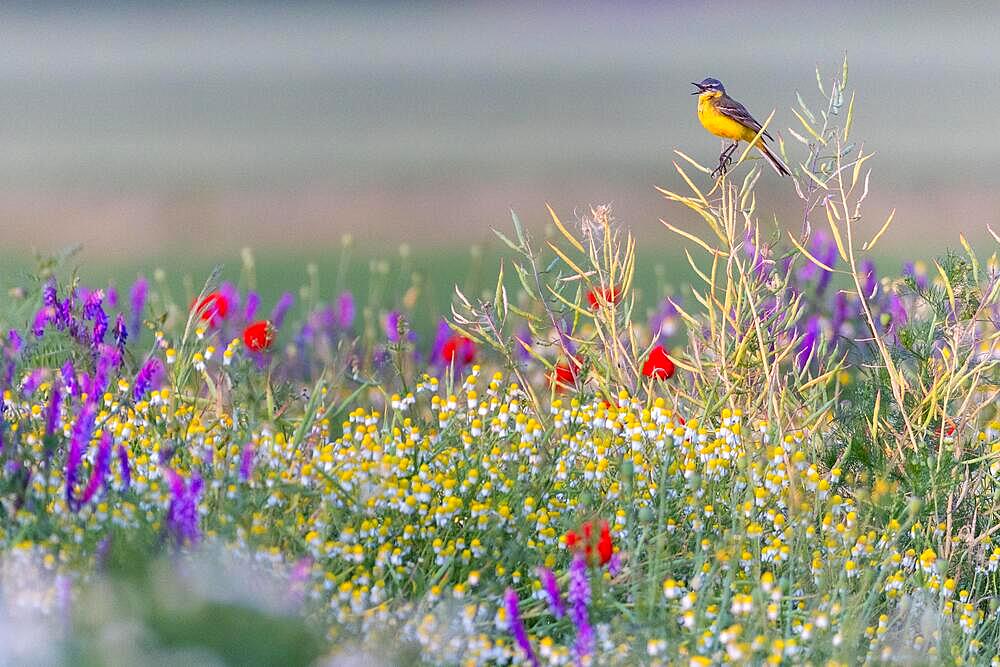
<point>458,349</point>
<point>605,548</point>
<point>598,296</point>
<point>563,376</point>
<point>658,365</point>
<point>258,336</point>
<point>212,308</point>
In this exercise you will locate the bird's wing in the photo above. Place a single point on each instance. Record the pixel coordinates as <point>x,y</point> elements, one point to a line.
<point>730,108</point>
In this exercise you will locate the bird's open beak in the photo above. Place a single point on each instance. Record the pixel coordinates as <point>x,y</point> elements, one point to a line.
<point>698,86</point>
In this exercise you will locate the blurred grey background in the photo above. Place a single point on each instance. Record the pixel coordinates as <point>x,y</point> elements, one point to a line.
<point>153,128</point>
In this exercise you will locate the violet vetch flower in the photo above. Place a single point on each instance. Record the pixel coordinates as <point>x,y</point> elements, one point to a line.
<point>107,359</point>
<point>918,277</point>
<point>49,297</point>
<point>392,321</point>
<point>32,380</point>
<point>517,626</point>
<point>126,469</point>
<point>182,515</point>
<point>551,588</point>
<point>100,472</point>
<point>841,312</point>
<point>246,462</point>
<point>442,335</point>
<point>253,303</point>
<point>100,327</point>
<point>281,309</point>
<point>92,303</point>
<point>897,311</point>
<point>44,315</point>
<point>82,429</point>
<point>823,248</point>
<point>808,343</point>
<point>52,414</point>
<point>579,601</point>
<point>345,310</point>
<point>524,342</point>
<point>121,332</point>
<point>870,278</point>
<point>15,340</point>
<point>112,296</point>
<point>615,564</point>
<point>664,323</point>
<point>137,299</point>
<point>64,313</point>
<point>148,376</point>
<point>68,374</point>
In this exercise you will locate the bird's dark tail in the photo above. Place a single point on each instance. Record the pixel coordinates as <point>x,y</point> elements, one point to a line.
<point>775,161</point>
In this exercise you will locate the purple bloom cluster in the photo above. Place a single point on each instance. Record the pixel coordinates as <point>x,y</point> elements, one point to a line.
<point>517,626</point>
<point>246,462</point>
<point>579,601</point>
<point>98,476</point>
<point>551,588</point>
<point>79,440</point>
<point>147,378</point>
<point>182,515</point>
<point>137,300</point>
<point>126,469</point>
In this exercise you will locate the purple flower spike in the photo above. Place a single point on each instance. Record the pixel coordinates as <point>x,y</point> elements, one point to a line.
<point>523,343</point>
<point>33,379</point>
<point>15,340</point>
<point>44,315</point>
<point>443,334</point>
<point>579,600</point>
<point>182,515</point>
<point>137,299</point>
<point>246,462</point>
<point>125,468</point>
<point>551,587</point>
<point>49,297</point>
<point>517,626</point>
<point>82,429</point>
<point>101,466</point>
<point>253,303</point>
<point>121,332</point>
<point>870,278</point>
<point>281,309</point>
<point>92,302</point>
<point>148,377</point>
<point>100,327</point>
<point>68,374</point>
<point>345,310</point>
<point>392,321</point>
<point>615,564</point>
<point>54,411</point>
<point>808,343</point>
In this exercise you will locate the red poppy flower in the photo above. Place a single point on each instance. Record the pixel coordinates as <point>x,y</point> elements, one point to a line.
<point>458,349</point>
<point>212,308</point>
<point>605,548</point>
<point>258,336</point>
<point>585,543</point>
<point>564,374</point>
<point>658,365</point>
<point>598,296</point>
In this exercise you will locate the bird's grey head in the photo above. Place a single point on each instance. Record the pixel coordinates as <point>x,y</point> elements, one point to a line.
<point>709,85</point>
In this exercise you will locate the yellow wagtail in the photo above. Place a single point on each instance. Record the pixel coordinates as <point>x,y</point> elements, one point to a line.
<point>725,117</point>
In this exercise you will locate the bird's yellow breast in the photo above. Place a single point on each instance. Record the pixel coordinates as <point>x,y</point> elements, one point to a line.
<point>719,124</point>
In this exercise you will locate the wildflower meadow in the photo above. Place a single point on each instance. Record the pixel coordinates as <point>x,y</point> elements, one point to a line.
<point>792,460</point>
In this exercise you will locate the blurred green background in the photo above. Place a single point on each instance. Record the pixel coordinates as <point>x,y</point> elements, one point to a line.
<point>175,134</point>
